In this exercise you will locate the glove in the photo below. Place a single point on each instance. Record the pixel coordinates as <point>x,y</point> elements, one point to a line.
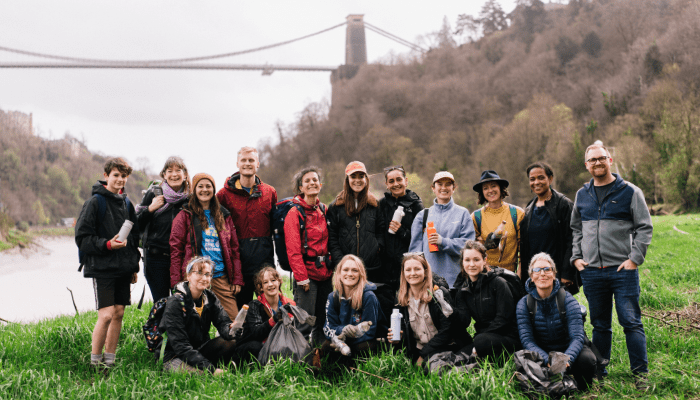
<point>491,243</point>
<point>238,335</point>
<point>278,316</point>
<point>351,332</point>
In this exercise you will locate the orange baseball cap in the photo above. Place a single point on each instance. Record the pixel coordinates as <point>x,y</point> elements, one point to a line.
<point>355,166</point>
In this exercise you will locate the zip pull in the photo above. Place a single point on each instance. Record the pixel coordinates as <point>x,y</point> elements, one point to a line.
<point>358,223</point>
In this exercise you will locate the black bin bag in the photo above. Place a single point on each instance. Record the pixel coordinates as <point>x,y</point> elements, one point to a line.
<point>536,379</point>
<point>285,340</point>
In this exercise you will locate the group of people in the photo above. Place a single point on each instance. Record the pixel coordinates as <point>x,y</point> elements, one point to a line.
<point>359,258</point>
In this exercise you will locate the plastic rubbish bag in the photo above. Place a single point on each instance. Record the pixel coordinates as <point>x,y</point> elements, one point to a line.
<point>285,340</point>
<point>450,362</point>
<point>536,379</point>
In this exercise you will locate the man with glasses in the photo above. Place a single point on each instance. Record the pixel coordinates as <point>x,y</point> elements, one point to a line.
<point>612,230</point>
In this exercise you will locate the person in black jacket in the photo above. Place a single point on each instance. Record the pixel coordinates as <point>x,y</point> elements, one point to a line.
<point>355,226</point>
<point>155,215</point>
<point>397,237</point>
<point>487,299</point>
<point>112,264</point>
<point>546,227</point>
<point>426,330</point>
<point>188,314</point>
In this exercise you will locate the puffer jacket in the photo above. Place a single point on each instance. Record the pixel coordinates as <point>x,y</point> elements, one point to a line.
<point>559,209</point>
<point>339,313</point>
<point>547,332</point>
<point>187,230</point>
<point>361,235</point>
<point>317,237</point>
<point>258,321</point>
<point>395,245</point>
<point>155,228</point>
<point>442,338</point>
<point>252,217</point>
<point>187,331</point>
<point>99,261</point>
<point>490,303</point>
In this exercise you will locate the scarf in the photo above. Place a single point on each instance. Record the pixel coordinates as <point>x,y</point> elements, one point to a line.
<point>170,196</point>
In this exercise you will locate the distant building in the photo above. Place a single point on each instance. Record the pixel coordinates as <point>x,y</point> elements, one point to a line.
<point>17,120</point>
<point>70,222</point>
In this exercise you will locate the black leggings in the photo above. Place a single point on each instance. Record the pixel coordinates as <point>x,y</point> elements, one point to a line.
<point>362,349</point>
<point>492,345</point>
<point>583,369</point>
<point>221,350</point>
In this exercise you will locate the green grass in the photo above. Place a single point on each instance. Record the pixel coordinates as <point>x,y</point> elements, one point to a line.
<point>16,237</point>
<point>49,359</point>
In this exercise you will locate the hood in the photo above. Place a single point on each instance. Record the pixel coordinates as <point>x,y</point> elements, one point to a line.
<point>299,199</point>
<point>406,200</point>
<point>184,289</point>
<point>619,182</point>
<point>531,289</point>
<point>99,188</point>
<point>371,200</point>
<point>233,185</point>
<point>369,287</point>
<point>484,277</point>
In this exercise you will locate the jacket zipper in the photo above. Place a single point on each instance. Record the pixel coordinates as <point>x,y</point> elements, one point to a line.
<point>357,225</point>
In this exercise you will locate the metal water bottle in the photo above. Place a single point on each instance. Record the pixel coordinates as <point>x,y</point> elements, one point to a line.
<point>398,215</point>
<point>396,325</point>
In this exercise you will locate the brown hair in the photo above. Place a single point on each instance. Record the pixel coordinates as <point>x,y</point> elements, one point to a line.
<point>120,164</point>
<point>470,245</point>
<point>348,198</point>
<point>260,277</point>
<point>426,290</point>
<point>175,161</point>
<point>356,293</point>
<point>214,207</point>
<point>297,180</point>
<point>480,194</point>
<point>197,263</point>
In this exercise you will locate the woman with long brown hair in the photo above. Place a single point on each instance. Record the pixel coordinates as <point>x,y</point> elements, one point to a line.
<point>205,228</point>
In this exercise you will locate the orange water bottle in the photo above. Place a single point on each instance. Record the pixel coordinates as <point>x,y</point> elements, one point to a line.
<point>429,231</point>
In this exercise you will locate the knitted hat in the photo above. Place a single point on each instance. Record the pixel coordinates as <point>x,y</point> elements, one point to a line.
<point>199,177</point>
<point>443,174</point>
<point>489,176</point>
<point>355,166</point>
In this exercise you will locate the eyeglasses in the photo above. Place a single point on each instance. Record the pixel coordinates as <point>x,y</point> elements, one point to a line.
<point>414,253</point>
<point>204,274</point>
<point>389,169</point>
<point>594,161</point>
<point>545,270</point>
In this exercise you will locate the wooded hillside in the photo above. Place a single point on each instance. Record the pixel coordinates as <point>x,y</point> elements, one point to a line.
<point>534,85</point>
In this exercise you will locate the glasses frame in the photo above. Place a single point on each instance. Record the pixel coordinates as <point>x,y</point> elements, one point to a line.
<point>599,160</point>
<point>547,270</point>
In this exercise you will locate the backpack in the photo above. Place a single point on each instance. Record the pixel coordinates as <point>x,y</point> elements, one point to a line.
<point>513,215</point>
<point>151,329</point>
<point>282,208</point>
<point>101,211</point>
<point>511,278</point>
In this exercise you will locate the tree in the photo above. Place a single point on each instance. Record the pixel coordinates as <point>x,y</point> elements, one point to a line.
<point>592,44</point>
<point>491,19</point>
<point>566,50</point>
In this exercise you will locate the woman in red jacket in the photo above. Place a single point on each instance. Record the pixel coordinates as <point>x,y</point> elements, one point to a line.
<point>205,228</point>
<point>308,249</point>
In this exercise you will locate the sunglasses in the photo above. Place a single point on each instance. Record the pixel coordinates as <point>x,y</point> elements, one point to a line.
<point>414,253</point>
<point>395,167</point>
<point>545,270</point>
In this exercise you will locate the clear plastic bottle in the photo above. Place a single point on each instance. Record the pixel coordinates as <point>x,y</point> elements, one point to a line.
<point>238,322</point>
<point>446,308</point>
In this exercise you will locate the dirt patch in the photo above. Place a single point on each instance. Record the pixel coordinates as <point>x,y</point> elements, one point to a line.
<point>687,319</point>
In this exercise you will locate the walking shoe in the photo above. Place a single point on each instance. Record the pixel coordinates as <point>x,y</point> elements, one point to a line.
<point>641,382</point>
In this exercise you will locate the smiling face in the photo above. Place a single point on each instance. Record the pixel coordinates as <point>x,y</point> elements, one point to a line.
<point>539,181</point>
<point>357,181</point>
<point>175,177</point>
<point>270,285</point>
<point>349,274</point>
<point>596,168</point>
<point>543,280</point>
<point>443,189</point>
<point>414,272</point>
<point>396,183</point>
<point>204,191</point>
<point>248,163</point>
<point>116,180</point>
<point>491,191</point>
<point>310,184</point>
<point>200,276</point>
<point>473,263</point>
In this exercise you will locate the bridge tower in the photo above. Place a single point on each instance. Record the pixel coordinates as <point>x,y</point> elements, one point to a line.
<point>355,56</point>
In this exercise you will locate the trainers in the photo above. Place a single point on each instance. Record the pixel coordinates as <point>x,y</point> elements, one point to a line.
<point>641,382</point>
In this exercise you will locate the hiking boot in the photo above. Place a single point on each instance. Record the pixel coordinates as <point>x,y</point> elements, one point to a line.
<point>641,382</point>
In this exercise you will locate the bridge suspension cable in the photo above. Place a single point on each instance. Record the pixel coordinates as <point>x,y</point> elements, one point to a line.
<point>393,37</point>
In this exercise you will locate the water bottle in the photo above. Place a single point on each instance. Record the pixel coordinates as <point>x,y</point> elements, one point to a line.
<point>396,325</point>
<point>343,348</point>
<point>429,231</point>
<point>398,214</point>
<point>238,322</point>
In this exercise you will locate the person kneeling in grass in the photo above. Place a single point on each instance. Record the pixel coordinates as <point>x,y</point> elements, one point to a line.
<point>112,264</point>
<point>188,314</point>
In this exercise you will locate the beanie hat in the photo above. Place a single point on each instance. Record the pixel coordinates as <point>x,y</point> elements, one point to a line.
<point>199,177</point>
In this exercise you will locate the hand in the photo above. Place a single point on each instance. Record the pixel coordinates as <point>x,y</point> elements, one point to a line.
<point>566,282</point>
<point>236,289</point>
<point>490,243</point>
<point>434,238</point>
<point>351,331</point>
<point>134,278</point>
<point>157,203</point>
<point>629,264</point>
<point>390,337</point>
<point>580,264</point>
<point>278,316</point>
<point>394,225</point>
<point>419,361</point>
<point>114,244</point>
<point>306,287</point>
<point>238,335</point>
<point>219,371</point>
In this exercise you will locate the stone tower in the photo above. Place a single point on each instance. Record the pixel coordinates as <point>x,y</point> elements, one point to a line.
<point>355,56</point>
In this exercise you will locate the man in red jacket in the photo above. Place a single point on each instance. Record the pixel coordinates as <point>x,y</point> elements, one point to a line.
<point>251,203</point>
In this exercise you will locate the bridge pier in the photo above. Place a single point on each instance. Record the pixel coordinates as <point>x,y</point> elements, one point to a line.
<point>355,56</point>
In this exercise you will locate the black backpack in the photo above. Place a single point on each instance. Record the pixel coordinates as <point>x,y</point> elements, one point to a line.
<point>151,329</point>
<point>282,208</point>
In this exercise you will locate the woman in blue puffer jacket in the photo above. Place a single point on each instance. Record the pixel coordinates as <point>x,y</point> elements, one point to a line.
<point>546,331</point>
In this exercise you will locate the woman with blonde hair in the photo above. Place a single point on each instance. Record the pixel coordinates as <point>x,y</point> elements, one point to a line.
<point>426,329</point>
<point>352,302</point>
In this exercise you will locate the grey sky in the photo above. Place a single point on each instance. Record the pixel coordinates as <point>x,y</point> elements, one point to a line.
<point>203,116</point>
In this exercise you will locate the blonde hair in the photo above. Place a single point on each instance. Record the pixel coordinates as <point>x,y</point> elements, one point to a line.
<point>427,287</point>
<point>356,293</point>
<point>248,149</point>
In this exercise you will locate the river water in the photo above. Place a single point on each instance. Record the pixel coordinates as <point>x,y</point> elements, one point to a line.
<point>34,281</point>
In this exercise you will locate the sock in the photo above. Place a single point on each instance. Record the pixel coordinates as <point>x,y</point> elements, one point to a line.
<point>109,358</point>
<point>95,359</point>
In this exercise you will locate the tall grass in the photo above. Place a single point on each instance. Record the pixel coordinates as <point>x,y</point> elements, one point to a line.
<point>49,359</point>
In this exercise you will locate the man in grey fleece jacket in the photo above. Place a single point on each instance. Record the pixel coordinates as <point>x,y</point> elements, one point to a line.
<point>612,230</point>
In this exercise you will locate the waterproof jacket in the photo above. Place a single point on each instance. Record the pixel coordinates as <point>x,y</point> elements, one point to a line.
<point>361,235</point>
<point>155,228</point>
<point>339,313</point>
<point>559,209</point>
<point>547,331</point>
<point>186,243</point>
<point>490,303</point>
<point>609,232</point>
<point>258,321</point>
<point>252,217</point>
<point>442,338</point>
<point>454,224</point>
<point>306,267</point>
<point>91,236</point>
<point>187,331</point>
<point>395,245</point>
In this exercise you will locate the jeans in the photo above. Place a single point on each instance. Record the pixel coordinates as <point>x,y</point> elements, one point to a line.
<point>314,303</point>
<point>599,286</point>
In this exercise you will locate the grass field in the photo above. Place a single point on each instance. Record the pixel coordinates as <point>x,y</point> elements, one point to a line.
<point>49,359</point>
<point>16,237</point>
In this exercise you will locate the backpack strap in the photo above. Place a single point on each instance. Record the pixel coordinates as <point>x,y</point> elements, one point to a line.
<point>561,304</point>
<point>514,216</point>
<point>477,217</point>
<point>531,306</point>
<point>425,218</point>
<point>101,211</point>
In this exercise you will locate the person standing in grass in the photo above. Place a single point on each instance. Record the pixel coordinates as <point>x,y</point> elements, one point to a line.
<point>112,264</point>
<point>612,230</point>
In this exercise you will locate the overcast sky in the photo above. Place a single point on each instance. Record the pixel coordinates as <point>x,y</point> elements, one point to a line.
<point>203,116</point>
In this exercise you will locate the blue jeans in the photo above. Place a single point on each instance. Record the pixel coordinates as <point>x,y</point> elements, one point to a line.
<point>599,286</point>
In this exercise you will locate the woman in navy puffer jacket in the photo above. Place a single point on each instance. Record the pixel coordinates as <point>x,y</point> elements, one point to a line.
<point>546,331</point>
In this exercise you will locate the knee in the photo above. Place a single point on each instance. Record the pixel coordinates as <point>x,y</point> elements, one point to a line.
<point>118,313</point>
